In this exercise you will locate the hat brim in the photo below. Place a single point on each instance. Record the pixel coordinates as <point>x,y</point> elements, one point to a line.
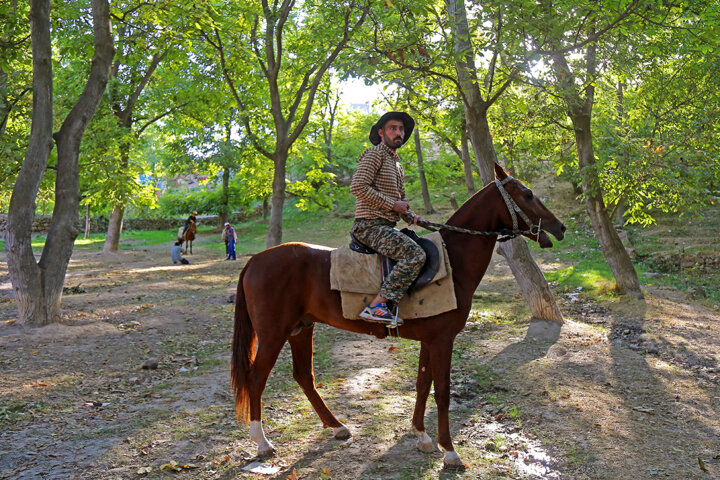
<point>407,120</point>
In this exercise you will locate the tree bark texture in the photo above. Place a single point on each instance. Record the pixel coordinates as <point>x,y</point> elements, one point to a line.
<point>580,111</point>
<point>38,286</point>
<point>532,283</point>
<point>112,238</point>
<point>87,221</point>
<point>274,236</point>
<point>421,172</point>
<point>25,275</point>
<point>467,161</point>
<point>115,223</point>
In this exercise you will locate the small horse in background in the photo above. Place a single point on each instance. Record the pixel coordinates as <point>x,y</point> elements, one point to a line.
<point>284,290</point>
<point>187,237</point>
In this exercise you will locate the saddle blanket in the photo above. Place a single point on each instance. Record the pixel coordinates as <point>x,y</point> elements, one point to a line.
<point>357,276</point>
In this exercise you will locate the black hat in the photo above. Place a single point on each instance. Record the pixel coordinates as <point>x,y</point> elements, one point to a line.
<point>402,116</point>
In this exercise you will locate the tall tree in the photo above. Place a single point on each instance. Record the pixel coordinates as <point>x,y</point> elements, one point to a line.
<point>576,85</point>
<point>277,43</point>
<point>145,41</point>
<point>533,285</point>
<point>38,285</point>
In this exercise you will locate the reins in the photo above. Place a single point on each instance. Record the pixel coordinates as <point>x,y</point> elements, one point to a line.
<point>503,235</point>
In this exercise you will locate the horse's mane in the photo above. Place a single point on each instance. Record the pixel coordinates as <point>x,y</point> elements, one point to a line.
<point>468,205</point>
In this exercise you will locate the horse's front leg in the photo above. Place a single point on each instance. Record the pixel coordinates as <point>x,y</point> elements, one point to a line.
<point>302,355</point>
<point>422,387</point>
<point>440,358</point>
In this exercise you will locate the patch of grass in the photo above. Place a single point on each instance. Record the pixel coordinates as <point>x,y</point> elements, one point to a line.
<point>15,412</point>
<point>582,264</point>
<point>483,375</point>
<point>580,457</point>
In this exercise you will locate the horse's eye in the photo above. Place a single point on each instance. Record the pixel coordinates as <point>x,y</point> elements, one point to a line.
<point>529,195</point>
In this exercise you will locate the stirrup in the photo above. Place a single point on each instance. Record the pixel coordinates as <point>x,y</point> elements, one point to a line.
<point>396,321</point>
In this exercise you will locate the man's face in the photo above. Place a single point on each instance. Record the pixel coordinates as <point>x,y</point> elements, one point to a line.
<point>392,133</point>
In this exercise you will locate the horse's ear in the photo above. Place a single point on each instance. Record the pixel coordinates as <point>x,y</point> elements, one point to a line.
<point>499,172</point>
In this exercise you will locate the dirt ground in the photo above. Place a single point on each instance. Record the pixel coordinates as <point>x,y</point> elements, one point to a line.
<point>624,390</point>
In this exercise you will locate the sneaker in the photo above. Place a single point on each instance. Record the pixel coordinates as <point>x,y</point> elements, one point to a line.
<point>380,313</point>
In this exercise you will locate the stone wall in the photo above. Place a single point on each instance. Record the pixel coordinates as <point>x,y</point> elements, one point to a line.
<point>673,262</point>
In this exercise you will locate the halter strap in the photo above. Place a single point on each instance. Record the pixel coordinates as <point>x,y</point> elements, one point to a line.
<point>512,206</point>
<point>503,235</point>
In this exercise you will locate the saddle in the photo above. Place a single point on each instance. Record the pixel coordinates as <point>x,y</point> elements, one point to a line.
<point>427,273</point>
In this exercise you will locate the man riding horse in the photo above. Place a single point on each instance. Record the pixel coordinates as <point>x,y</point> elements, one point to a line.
<point>379,185</point>
<point>191,219</point>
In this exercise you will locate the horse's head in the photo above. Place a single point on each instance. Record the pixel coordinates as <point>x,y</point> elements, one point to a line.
<point>529,209</point>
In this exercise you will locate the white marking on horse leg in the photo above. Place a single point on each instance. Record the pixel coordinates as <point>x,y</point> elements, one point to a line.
<point>342,432</point>
<point>265,448</point>
<point>452,460</point>
<point>425,443</point>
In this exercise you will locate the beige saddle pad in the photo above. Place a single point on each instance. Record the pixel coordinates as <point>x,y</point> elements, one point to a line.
<point>357,276</point>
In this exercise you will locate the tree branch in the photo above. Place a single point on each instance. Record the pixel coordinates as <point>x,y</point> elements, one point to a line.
<point>139,131</point>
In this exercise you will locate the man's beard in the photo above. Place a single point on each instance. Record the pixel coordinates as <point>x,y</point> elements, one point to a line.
<point>394,143</point>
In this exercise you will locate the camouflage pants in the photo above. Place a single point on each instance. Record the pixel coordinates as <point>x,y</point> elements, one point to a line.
<point>380,235</point>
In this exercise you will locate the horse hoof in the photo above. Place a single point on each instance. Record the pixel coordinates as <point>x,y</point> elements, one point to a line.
<point>342,433</point>
<point>266,452</point>
<point>452,461</point>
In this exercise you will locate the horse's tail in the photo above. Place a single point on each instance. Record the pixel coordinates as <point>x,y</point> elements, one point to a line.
<point>243,353</point>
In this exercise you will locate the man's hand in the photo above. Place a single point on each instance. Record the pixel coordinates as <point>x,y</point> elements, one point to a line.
<point>418,219</point>
<point>401,207</point>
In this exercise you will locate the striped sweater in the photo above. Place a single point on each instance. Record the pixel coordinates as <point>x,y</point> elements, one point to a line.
<point>378,183</point>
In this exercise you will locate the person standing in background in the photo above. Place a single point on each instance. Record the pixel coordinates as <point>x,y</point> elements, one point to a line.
<point>230,238</point>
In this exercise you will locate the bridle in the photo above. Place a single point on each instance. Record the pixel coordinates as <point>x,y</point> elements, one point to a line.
<point>504,234</point>
<point>514,208</point>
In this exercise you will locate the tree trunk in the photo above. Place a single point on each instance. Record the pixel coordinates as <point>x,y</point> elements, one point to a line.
<point>278,200</point>
<point>225,198</point>
<point>467,161</point>
<point>87,220</point>
<point>265,209</point>
<point>4,107</point>
<point>580,111</point>
<point>421,172</point>
<point>535,288</point>
<point>38,286</point>
<point>533,285</point>
<point>112,238</point>
<point>115,223</point>
<point>25,275</point>
<point>615,254</point>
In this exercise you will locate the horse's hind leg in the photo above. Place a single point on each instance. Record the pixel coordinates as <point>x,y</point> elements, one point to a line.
<point>302,355</point>
<point>422,387</point>
<point>268,351</point>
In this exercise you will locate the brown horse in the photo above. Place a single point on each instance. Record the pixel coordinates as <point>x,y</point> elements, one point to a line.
<point>188,237</point>
<point>290,283</point>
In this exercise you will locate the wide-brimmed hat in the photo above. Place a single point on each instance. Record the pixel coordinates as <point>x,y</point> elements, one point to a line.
<point>402,116</point>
